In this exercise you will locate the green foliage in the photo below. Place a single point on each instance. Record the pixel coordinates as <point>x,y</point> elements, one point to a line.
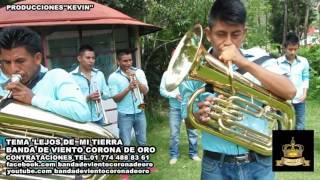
<point>258,28</point>
<point>7,2</point>
<point>313,55</point>
<point>296,14</point>
<point>176,17</point>
<point>134,8</point>
<point>156,111</point>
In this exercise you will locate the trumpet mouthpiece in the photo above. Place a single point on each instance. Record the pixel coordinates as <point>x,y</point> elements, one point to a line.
<point>16,77</point>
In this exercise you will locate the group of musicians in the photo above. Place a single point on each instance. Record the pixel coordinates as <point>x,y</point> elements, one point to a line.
<point>76,95</point>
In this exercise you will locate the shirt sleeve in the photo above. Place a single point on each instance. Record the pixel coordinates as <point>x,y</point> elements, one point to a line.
<point>306,75</point>
<point>142,78</point>
<point>105,91</point>
<point>67,100</point>
<point>163,90</point>
<point>187,88</point>
<point>113,87</point>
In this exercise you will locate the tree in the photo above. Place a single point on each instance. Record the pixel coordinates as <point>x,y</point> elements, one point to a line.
<point>285,22</point>
<point>295,10</point>
<point>176,17</point>
<point>306,18</point>
<point>7,2</point>
<point>258,13</point>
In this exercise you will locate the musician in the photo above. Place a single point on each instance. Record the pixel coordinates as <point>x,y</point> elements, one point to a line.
<point>4,79</point>
<point>298,72</point>
<point>121,89</point>
<point>91,82</point>
<point>175,119</point>
<point>223,159</point>
<point>122,83</point>
<point>53,91</point>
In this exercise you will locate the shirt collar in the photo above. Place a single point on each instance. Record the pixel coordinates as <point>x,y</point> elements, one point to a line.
<point>77,71</point>
<point>132,68</point>
<point>284,59</point>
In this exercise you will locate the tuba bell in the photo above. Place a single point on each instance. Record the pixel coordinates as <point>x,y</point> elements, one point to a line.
<point>24,121</point>
<point>192,61</point>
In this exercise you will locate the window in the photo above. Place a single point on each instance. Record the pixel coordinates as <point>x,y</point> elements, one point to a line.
<point>63,49</point>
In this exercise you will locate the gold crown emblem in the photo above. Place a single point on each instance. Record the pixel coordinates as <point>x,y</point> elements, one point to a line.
<point>292,150</point>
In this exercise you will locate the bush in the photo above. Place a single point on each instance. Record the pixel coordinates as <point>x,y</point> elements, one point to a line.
<point>312,53</point>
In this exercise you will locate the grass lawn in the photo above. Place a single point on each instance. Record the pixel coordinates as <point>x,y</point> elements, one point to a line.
<point>186,169</point>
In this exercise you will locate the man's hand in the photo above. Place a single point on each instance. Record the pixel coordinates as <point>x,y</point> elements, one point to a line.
<point>133,84</point>
<point>179,98</point>
<point>230,53</point>
<point>204,110</point>
<point>20,92</point>
<point>94,96</point>
<point>203,115</point>
<point>302,98</point>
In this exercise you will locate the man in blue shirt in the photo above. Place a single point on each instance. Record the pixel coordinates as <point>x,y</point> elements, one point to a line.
<point>298,72</point>
<point>4,79</point>
<point>92,83</point>
<point>54,91</point>
<point>122,91</point>
<point>226,33</point>
<point>124,83</point>
<point>175,119</point>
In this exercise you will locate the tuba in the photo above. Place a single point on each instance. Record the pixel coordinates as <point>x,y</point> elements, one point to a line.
<point>241,96</point>
<point>23,121</point>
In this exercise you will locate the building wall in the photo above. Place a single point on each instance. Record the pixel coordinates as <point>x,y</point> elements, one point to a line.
<point>62,47</point>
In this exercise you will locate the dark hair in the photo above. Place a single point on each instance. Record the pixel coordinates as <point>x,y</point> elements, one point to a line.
<point>123,52</point>
<point>291,38</point>
<point>14,37</point>
<point>84,48</point>
<point>228,11</point>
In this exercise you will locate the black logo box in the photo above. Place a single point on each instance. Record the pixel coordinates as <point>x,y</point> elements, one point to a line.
<point>303,137</point>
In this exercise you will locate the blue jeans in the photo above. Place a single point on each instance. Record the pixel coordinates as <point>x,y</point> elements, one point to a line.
<point>300,109</point>
<point>261,169</point>
<point>136,121</point>
<point>2,141</point>
<point>175,120</point>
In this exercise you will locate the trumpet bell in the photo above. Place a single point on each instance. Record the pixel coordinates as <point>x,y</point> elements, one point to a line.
<point>184,57</point>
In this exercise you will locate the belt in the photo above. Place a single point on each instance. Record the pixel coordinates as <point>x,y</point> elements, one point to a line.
<point>240,158</point>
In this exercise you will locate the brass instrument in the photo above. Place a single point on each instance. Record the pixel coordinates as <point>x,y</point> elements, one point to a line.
<point>14,78</point>
<point>191,60</point>
<point>23,121</point>
<point>98,104</point>
<point>136,91</point>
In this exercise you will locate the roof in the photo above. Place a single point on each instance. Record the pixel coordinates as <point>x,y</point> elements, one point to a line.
<point>66,13</point>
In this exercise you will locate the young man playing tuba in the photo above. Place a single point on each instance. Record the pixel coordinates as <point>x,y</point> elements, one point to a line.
<point>223,159</point>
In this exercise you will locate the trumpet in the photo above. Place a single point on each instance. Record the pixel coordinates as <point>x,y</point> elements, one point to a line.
<point>98,104</point>
<point>136,91</point>
<point>14,78</point>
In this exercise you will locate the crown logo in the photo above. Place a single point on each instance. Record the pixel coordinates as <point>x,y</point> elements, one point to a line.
<point>292,150</point>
